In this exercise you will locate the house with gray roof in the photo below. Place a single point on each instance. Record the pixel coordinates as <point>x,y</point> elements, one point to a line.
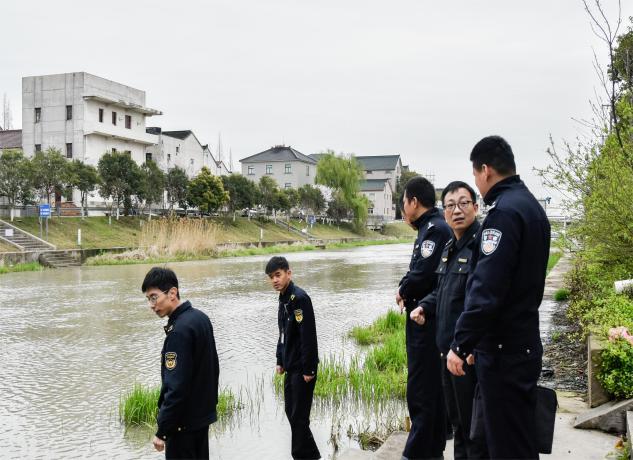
<point>382,167</point>
<point>380,195</point>
<point>289,167</point>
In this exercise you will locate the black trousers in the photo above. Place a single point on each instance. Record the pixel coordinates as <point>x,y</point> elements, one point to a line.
<point>507,385</point>
<point>298,402</point>
<point>427,438</point>
<point>188,445</point>
<point>458,396</point>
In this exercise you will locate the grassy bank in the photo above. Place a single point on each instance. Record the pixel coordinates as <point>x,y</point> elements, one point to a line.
<point>26,267</point>
<point>139,406</point>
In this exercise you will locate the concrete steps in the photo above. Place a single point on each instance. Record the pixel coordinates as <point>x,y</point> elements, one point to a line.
<point>58,259</point>
<point>22,240</point>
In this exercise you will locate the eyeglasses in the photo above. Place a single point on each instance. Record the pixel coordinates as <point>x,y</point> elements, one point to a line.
<point>461,205</point>
<point>152,299</point>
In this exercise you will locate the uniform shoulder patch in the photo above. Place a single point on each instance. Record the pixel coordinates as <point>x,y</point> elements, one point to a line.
<point>430,225</point>
<point>170,360</point>
<point>299,315</point>
<point>428,246</point>
<point>490,239</point>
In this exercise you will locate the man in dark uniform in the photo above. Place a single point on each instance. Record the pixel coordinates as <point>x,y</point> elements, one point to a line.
<point>297,355</point>
<point>446,303</point>
<point>427,438</point>
<point>189,370</point>
<point>500,321</point>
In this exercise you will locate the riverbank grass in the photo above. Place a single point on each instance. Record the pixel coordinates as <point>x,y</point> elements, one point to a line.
<point>139,406</point>
<point>25,267</point>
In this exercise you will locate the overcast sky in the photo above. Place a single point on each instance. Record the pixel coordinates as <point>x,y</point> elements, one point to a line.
<point>423,79</point>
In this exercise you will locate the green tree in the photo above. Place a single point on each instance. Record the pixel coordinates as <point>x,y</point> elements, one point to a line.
<point>242,191</point>
<point>343,175</point>
<point>397,197</point>
<point>84,178</point>
<point>206,192</point>
<point>338,208</point>
<point>622,70</point>
<point>15,178</point>
<point>152,186</point>
<point>268,193</point>
<point>120,179</point>
<point>311,199</point>
<point>49,172</point>
<point>176,183</point>
<point>291,197</point>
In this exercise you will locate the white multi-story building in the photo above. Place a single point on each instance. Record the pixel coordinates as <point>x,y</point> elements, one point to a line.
<point>382,167</point>
<point>84,116</point>
<point>380,195</point>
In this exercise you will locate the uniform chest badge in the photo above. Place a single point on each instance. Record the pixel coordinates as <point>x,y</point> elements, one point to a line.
<point>490,239</point>
<point>299,315</point>
<point>170,360</point>
<point>428,247</point>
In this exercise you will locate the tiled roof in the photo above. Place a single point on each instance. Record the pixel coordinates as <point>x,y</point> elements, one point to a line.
<point>11,139</point>
<point>278,153</point>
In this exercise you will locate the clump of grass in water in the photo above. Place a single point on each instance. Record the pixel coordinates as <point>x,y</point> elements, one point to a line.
<point>25,267</point>
<point>382,374</point>
<point>139,406</point>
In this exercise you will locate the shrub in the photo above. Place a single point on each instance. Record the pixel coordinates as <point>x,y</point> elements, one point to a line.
<point>616,370</point>
<point>561,294</point>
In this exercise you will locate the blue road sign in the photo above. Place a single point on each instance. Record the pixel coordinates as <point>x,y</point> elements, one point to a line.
<point>45,210</point>
<point>311,220</point>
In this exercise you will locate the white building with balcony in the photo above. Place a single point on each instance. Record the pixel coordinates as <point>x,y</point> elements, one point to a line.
<point>84,116</point>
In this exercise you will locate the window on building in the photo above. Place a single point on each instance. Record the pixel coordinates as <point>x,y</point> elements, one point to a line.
<point>370,210</point>
<point>287,185</point>
<point>269,169</point>
<point>168,157</point>
<point>38,114</point>
<point>128,121</point>
<point>113,149</point>
<point>114,118</point>
<point>251,170</point>
<point>148,156</point>
<point>177,149</point>
<point>69,112</point>
<point>100,115</point>
<point>128,153</point>
<point>38,147</point>
<point>368,172</point>
<point>191,161</point>
<point>307,170</point>
<point>69,150</point>
<point>288,168</point>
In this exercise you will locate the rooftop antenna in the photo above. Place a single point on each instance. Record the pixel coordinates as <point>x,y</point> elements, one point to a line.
<point>230,159</point>
<point>220,146</point>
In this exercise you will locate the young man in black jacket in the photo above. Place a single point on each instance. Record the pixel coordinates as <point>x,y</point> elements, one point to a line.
<point>189,370</point>
<point>297,355</point>
<point>446,303</point>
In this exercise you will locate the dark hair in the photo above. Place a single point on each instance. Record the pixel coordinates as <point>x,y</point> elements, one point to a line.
<point>160,278</point>
<point>456,185</point>
<point>495,152</point>
<point>277,263</point>
<point>419,187</point>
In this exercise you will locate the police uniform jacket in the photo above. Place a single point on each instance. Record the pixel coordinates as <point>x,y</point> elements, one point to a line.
<point>189,372</point>
<point>507,278</point>
<point>446,302</point>
<point>297,344</point>
<point>433,233</point>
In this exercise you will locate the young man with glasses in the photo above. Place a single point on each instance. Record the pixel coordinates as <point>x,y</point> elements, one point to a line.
<point>500,321</point>
<point>189,370</point>
<point>427,438</point>
<point>446,303</point>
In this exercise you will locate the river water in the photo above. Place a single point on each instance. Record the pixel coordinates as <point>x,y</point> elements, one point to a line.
<point>73,341</point>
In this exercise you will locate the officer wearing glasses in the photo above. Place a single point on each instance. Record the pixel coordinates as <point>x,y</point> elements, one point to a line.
<point>189,370</point>
<point>446,303</point>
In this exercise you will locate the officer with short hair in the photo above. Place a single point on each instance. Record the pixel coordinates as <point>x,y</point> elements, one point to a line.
<point>446,303</point>
<point>500,322</point>
<point>189,370</point>
<point>297,355</point>
<point>427,438</point>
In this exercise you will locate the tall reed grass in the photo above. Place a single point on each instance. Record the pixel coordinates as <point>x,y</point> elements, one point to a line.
<point>173,237</point>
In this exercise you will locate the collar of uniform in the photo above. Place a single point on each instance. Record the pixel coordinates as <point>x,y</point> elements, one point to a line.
<point>424,218</point>
<point>468,235</point>
<point>500,187</point>
<point>186,305</point>
<point>287,293</point>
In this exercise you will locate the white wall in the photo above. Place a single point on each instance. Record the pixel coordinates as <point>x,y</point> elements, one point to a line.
<point>297,178</point>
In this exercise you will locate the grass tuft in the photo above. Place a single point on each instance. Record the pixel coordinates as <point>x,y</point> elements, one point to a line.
<point>26,267</point>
